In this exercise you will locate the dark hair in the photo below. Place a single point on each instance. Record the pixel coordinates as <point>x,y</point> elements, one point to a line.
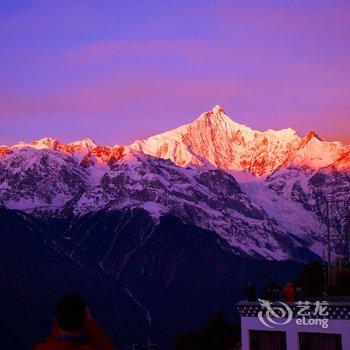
<point>71,312</point>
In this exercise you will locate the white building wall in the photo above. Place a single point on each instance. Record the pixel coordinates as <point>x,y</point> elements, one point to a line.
<point>292,329</point>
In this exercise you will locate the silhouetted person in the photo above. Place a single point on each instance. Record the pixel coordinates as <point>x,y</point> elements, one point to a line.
<point>250,292</point>
<point>74,328</point>
<point>288,292</point>
<point>299,294</point>
<point>268,293</point>
<point>277,293</point>
<point>271,292</point>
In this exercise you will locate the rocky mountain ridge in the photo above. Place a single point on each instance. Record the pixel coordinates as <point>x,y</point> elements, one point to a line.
<point>188,172</point>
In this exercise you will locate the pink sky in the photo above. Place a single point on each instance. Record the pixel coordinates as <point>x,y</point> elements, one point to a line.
<point>125,71</point>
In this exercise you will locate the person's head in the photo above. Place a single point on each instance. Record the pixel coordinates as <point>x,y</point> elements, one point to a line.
<point>71,313</point>
<point>290,284</point>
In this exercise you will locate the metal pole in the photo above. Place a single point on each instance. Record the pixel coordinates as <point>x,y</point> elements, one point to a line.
<point>325,271</point>
<point>328,249</point>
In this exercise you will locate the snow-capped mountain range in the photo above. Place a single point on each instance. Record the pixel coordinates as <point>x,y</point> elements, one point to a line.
<point>275,209</point>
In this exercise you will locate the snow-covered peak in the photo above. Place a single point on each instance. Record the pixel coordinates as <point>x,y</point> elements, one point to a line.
<point>314,153</point>
<point>52,183</point>
<point>216,114</point>
<point>84,143</point>
<point>217,109</point>
<point>217,118</point>
<point>216,140</point>
<point>282,134</point>
<point>80,177</point>
<point>77,148</point>
<point>46,142</point>
<point>213,140</point>
<point>312,135</point>
<point>52,143</point>
<point>4,150</point>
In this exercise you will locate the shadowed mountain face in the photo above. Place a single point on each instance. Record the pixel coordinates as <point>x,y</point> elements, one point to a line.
<point>52,184</point>
<point>159,280</point>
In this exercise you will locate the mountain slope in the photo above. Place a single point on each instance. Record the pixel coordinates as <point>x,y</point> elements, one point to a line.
<point>51,183</point>
<point>186,172</point>
<point>171,281</point>
<point>302,199</point>
<point>159,235</point>
<point>298,174</point>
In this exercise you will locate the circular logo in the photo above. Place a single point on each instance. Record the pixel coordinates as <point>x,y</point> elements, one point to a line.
<point>274,315</point>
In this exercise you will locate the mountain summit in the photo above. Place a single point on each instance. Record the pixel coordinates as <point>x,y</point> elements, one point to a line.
<point>214,139</point>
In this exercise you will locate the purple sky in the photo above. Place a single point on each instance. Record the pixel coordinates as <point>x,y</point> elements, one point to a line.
<point>120,70</point>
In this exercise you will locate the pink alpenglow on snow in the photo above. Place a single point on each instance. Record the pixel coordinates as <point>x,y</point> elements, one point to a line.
<point>214,140</point>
